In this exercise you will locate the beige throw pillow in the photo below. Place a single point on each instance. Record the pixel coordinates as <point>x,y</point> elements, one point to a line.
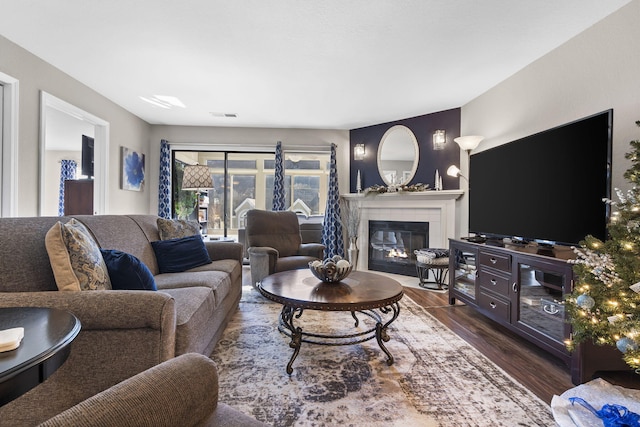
<point>177,228</point>
<point>75,258</point>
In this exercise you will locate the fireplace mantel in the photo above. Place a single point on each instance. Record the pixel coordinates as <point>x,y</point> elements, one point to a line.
<point>438,208</point>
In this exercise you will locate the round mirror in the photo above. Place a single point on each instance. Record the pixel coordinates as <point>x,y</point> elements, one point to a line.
<point>398,155</point>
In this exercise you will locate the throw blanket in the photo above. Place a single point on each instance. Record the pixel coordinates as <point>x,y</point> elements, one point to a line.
<point>435,253</point>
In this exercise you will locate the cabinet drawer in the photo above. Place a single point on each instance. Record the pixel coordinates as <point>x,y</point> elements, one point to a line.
<point>497,308</point>
<point>494,282</point>
<point>500,262</point>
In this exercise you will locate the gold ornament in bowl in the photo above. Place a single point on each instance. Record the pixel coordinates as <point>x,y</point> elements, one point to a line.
<point>331,270</point>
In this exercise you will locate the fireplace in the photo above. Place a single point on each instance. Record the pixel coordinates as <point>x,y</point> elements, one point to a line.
<point>392,245</point>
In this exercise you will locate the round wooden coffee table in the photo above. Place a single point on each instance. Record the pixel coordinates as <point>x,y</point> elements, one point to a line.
<point>373,295</point>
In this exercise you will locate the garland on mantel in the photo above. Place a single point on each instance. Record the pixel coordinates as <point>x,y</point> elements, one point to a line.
<point>380,189</point>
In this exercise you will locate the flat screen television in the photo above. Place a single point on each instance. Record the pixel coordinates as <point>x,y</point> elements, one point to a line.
<point>546,187</point>
<point>87,156</point>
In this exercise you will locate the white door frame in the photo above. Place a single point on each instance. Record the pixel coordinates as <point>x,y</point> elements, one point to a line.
<point>9,147</point>
<point>101,153</point>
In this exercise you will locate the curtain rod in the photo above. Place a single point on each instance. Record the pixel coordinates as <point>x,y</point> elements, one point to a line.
<point>255,148</point>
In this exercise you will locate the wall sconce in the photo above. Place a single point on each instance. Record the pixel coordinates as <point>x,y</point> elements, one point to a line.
<point>439,139</point>
<point>358,152</point>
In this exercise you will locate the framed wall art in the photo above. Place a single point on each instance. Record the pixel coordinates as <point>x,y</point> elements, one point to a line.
<point>132,170</point>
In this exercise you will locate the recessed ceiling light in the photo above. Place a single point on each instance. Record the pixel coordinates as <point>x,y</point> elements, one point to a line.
<point>164,101</point>
<point>171,100</point>
<point>155,102</point>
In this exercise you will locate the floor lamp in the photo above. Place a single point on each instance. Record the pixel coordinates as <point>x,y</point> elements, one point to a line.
<point>197,178</point>
<point>466,143</point>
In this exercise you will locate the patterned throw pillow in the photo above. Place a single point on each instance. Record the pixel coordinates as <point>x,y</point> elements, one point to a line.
<point>75,258</point>
<point>177,228</point>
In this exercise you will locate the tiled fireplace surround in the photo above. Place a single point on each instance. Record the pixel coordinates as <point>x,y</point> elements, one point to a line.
<point>438,208</point>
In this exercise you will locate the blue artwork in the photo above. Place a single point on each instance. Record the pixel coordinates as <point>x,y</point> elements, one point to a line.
<point>132,170</point>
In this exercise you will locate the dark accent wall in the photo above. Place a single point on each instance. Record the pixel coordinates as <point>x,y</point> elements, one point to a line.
<point>430,160</point>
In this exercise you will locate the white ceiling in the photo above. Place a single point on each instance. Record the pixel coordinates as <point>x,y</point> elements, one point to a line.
<point>332,64</point>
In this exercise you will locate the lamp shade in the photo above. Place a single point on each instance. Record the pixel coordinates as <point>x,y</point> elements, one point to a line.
<point>468,143</point>
<point>196,177</point>
<point>453,171</point>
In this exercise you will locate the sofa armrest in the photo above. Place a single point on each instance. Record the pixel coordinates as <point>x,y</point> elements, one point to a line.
<point>122,334</point>
<point>182,391</point>
<point>312,249</point>
<point>104,309</point>
<point>224,250</point>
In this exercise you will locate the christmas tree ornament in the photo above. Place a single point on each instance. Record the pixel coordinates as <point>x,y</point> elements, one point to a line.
<point>626,344</point>
<point>585,301</point>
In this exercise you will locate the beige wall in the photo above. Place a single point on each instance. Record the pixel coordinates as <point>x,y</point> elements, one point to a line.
<point>35,75</point>
<point>258,139</point>
<point>595,71</point>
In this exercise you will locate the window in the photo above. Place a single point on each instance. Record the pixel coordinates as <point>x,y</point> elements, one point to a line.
<point>244,181</point>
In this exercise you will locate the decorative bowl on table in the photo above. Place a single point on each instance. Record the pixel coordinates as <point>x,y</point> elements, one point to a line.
<point>331,270</point>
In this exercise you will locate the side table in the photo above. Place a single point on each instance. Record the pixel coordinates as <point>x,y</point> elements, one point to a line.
<point>440,269</point>
<point>48,333</point>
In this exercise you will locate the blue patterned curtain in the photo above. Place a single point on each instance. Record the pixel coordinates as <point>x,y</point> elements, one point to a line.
<point>332,230</point>
<point>164,190</point>
<point>67,171</point>
<point>278,181</point>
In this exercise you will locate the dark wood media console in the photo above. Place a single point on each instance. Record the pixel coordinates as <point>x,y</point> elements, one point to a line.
<point>522,288</point>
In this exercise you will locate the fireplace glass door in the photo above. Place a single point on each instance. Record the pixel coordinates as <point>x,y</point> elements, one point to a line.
<point>392,245</point>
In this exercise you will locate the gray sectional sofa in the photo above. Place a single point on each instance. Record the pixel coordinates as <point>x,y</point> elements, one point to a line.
<point>123,332</point>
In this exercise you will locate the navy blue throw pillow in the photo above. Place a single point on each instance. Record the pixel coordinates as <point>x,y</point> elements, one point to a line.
<point>176,255</point>
<point>127,272</point>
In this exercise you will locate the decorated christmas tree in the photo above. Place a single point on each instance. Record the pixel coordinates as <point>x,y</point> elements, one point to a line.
<point>605,304</point>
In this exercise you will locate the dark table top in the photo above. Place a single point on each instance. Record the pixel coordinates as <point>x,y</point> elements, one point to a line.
<point>46,332</point>
<point>358,291</point>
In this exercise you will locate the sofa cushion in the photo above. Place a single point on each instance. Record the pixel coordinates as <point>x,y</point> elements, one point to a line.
<point>127,272</point>
<point>194,311</point>
<point>177,255</point>
<point>75,258</point>
<point>176,228</point>
<point>218,281</point>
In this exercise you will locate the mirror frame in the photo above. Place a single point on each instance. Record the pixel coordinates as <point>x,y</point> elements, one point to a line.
<point>101,153</point>
<point>416,156</point>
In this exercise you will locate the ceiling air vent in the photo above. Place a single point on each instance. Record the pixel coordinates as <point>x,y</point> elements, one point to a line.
<point>227,115</point>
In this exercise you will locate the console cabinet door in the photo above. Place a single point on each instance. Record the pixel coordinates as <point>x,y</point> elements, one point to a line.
<point>537,300</point>
<point>463,262</point>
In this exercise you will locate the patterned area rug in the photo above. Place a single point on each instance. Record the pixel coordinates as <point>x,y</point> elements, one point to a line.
<point>437,378</point>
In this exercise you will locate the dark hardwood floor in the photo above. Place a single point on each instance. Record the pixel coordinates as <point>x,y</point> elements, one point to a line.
<point>539,371</point>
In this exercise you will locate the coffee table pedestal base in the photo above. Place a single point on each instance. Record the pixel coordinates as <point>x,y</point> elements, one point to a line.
<point>379,331</point>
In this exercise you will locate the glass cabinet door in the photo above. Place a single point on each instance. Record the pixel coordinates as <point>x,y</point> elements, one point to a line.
<point>540,305</point>
<point>465,271</point>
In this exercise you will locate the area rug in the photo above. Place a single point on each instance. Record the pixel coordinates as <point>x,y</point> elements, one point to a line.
<point>437,379</point>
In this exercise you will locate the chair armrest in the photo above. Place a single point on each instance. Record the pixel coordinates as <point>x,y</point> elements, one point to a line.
<point>182,391</point>
<point>262,260</point>
<point>312,249</point>
<point>224,250</point>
